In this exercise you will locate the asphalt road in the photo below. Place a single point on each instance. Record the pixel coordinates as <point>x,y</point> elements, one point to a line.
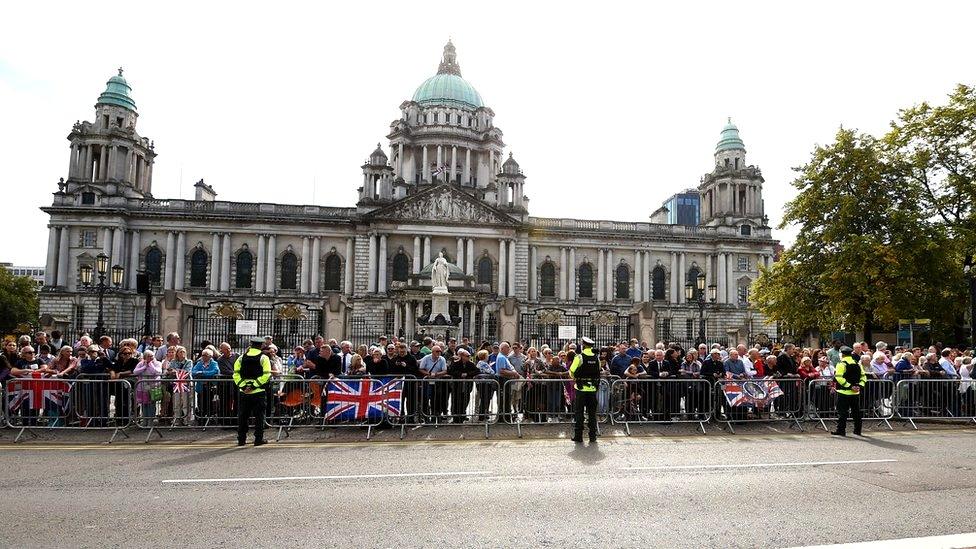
<point>688,491</point>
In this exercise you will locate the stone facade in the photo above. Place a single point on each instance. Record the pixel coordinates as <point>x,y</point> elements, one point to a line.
<point>357,270</point>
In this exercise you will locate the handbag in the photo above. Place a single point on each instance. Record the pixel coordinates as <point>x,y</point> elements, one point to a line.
<point>156,394</point>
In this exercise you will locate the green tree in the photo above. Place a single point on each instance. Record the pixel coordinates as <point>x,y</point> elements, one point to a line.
<point>864,254</point>
<point>18,300</point>
<point>934,147</point>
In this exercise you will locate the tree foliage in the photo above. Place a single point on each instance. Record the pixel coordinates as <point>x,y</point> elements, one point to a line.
<point>867,251</point>
<point>18,300</point>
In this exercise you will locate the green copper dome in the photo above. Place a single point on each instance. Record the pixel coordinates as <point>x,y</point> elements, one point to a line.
<point>730,139</point>
<point>117,93</point>
<point>447,87</point>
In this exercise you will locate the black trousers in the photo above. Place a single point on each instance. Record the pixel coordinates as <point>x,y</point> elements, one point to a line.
<point>848,404</point>
<point>251,405</point>
<point>585,401</point>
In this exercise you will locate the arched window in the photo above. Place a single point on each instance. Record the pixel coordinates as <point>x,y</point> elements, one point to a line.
<point>198,269</point>
<point>333,273</point>
<point>289,271</point>
<point>547,280</point>
<point>585,280</point>
<point>623,282</point>
<point>245,261</point>
<point>658,283</point>
<point>154,265</point>
<point>401,267</point>
<point>484,270</point>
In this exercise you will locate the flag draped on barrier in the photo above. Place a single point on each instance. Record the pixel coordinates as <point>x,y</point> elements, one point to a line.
<point>36,392</point>
<point>751,392</point>
<point>348,399</point>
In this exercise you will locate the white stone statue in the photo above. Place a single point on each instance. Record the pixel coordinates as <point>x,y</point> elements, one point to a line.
<point>439,273</point>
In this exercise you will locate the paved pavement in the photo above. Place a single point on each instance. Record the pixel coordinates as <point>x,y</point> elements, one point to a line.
<point>759,490</point>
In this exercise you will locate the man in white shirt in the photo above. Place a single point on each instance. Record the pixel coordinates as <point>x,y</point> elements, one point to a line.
<point>746,359</point>
<point>345,355</point>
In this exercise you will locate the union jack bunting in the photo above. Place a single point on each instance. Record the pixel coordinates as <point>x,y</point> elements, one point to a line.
<point>349,399</point>
<point>34,393</point>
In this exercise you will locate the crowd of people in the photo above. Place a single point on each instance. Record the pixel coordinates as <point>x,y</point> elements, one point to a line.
<point>458,381</point>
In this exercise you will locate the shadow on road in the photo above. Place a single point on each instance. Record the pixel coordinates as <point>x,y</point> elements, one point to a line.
<point>587,455</point>
<point>888,445</point>
<point>195,457</point>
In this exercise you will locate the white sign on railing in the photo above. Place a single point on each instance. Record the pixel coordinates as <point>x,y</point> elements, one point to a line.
<point>246,328</point>
<point>567,332</point>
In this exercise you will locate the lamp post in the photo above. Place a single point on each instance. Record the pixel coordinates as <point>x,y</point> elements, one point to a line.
<point>696,292</point>
<point>101,267</point>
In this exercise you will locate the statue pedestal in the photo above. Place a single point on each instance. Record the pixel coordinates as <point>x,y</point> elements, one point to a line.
<point>440,304</point>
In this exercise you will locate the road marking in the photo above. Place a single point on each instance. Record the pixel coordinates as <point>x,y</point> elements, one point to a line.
<point>757,465</point>
<point>328,477</point>
<point>933,542</point>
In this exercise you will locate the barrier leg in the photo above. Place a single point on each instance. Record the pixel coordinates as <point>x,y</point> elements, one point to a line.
<point>118,430</point>
<point>912,421</point>
<point>152,429</point>
<point>403,430</point>
<point>731,429</point>
<point>518,427</point>
<point>797,421</point>
<point>701,425</point>
<point>627,427</point>
<point>21,433</point>
<point>369,431</point>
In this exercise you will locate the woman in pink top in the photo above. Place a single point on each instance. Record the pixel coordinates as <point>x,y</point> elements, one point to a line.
<point>147,369</point>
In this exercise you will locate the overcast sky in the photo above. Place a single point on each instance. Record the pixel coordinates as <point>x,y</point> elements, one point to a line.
<point>608,107</point>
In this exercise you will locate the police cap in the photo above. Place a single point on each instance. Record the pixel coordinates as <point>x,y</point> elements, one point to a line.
<point>257,342</point>
<point>845,350</point>
<point>587,341</point>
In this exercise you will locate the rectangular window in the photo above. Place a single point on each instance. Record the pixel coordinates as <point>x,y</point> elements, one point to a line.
<point>88,239</point>
<point>690,328</point>
<point>743,295</point>
<point>743,263</point>
<point>118,121</point>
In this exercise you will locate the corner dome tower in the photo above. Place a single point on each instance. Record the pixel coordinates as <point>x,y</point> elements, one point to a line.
<point>116,93</point>
<point>447,87</point>
<point>730,151</point>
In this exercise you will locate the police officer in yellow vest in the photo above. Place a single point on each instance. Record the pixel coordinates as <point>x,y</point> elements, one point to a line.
<point>850,380</point>
<point>585,371</point>
<point>252,371</point>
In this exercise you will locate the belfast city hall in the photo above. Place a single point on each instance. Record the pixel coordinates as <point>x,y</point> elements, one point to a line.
<point>442,186</point>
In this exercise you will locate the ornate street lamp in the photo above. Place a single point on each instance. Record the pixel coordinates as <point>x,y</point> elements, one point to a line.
<point>101,267</point>
<point>696,292</point>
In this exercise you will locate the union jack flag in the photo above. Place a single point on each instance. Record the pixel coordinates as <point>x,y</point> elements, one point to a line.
<point>348,399</point>
<point>35,393</point>
<point>751,392</point>
<point>182,382</point>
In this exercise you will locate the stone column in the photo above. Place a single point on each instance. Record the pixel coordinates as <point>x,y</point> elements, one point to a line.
<point>103,163</point>
<point>272,284</point>
<point>371,283</point>
<point>571,292</point>
<point>563,275</point>
<point>72,161</point>
<point>730,279</point>
<point>118,239</point>
<point>453,163</point>
<point>170,260</point>
<point>611,268</point>
<point>135,246</point>
<point>396,318</point>
<point>709,274</point>
<point>400,159</point>
<point>721,293</point>
<point>682,277</point>
<point>225,261</point>
<point>469,258</point>
<point>63,259</point>
<point>383,261</point>
<point>502,268</point>
<point>260,262</point>
<point>180,273</point>
<point>425,169</point>
<point>51,266</point>
<point>314,269</point>
<point>601,275</point>
<point>466,176</point>
<point>638,269</point>
<point>533,266</point>
<point>511,268</point>
<point>426,253</point>
<point>440,162</point>
<point>303,287</point>
<point>410,328</point>
<point>215,263</point>
<point>416,255</point>
<point>349,278</point>
<point>673,298</point>
<point>460,253</point>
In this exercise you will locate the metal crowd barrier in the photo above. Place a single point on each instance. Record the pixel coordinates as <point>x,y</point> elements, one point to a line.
<point>759,400</point>
<point>935,399</point>
<point>648,401</point>
<point>445,401</point>
<point>543,401</point>
<point>877,401</point>
<point>52,403</point>
<point>359,401</point>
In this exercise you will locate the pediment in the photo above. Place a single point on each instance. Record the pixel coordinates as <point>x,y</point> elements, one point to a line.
<point>443,204</point>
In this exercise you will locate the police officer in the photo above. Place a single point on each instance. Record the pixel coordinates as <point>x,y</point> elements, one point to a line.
<point>585,371</point>
<point>252,371</point>
<point>850,379</point>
